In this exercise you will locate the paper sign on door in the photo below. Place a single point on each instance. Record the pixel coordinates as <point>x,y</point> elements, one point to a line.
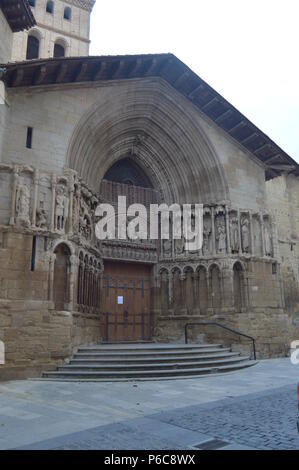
<point>120,299</point>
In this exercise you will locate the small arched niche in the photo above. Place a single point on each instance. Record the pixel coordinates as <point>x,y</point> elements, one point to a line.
<point>61,283</point>
<point>238,288</point>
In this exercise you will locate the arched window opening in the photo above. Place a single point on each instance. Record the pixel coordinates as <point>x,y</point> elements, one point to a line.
<point>32,48</point>
<point>67,15</point>
<point>59,50</point>
<point>50,7</point>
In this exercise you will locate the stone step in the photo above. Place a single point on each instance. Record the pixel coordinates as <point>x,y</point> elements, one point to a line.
<point>153,359</point>
<point>146,347</point>
<point>140,375</point>
<point>151,366</point>
<point>152,354</point>
<point>146,353</point>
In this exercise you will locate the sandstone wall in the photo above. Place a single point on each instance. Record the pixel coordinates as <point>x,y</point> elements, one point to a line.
<point>283,197</point>
<point>74,33</point>
<point>6,38</point>
<point>54,113</point>
<point>36,336</point>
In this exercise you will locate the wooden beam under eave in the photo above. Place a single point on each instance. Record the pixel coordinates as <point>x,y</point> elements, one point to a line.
<point>236,126</point>
<point>17,77</point>
<point>61,72</point>
<point>282,167</point>
<point>117,73</point>
<point>165,67</point>
<point>209,104</point>
<point>247,139</point>
<point>194,92</point>
<point>223,116</point>
<point>39,75</point>
<point>272,159</point>
<point>262,147</point>
<point>152,68</point>
<point>182,77</point>
<point>134,68</point>
<point>97,70</point>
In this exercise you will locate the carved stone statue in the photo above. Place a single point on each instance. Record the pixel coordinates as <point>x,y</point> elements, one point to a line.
<point>41,218</point>
<point>234,235</point>
<point>167,247</point>
<point>61,208</point>
<point>179,246</point>
<point>206,239</point>
<point>268,242</point>
<point>23,205</point>
<point>245,235</point>
<point>221,239</point>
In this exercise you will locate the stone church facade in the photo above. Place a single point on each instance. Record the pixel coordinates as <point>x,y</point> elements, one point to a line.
<point>76,130</point>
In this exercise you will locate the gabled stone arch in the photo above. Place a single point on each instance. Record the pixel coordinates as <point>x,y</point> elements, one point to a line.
<point>151,122</point>
<point>188,267</point>
<point>177,268</point>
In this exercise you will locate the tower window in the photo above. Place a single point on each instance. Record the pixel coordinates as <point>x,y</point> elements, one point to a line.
<point>32,48</point>
<point>67,15</point>
<point>32,3</point>
<point>59,50</point>
<point>50,7</point>
<point>29,137</point>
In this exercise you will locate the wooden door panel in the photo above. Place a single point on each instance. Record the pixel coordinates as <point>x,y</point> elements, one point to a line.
<point>130,320</point>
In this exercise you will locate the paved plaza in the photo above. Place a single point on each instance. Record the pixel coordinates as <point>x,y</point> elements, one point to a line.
<point>255,408</point>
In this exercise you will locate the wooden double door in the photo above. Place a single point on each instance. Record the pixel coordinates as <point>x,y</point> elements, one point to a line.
<point>125,302</point>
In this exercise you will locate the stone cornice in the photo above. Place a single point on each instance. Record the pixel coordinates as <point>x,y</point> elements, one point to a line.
<point>84,4</point>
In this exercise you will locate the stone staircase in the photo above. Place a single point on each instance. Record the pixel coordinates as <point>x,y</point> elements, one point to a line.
<point>148,361</point>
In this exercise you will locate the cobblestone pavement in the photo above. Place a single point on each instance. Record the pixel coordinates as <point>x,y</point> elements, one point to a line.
<point>254,407</point>
<point>265,420</point>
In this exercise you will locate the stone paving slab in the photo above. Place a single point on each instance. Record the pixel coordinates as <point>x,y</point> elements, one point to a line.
<point>32,411</point>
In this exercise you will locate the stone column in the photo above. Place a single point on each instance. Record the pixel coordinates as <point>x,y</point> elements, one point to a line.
<point>228,288</point>
<point>251,233</point>
<point>52,225</point>
<point>170,285</point>
<point>213,231</point>
<point>71,202</point>
<point>35,196</point>
<point>263,234</point>
<point>239,231</point>
<point>72,280</point>
<point>182,302</point>
<point>196,293</point>
<point>14,195</point>
<point>51,276</point>
<point>228,247</point>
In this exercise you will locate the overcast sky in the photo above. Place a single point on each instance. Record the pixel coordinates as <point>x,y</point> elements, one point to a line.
<point>247,50</point>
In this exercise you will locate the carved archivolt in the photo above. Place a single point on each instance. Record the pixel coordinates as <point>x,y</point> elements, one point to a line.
<point>143,120</point>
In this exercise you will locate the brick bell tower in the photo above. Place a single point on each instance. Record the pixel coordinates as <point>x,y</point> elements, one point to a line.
<point>62,30</point>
